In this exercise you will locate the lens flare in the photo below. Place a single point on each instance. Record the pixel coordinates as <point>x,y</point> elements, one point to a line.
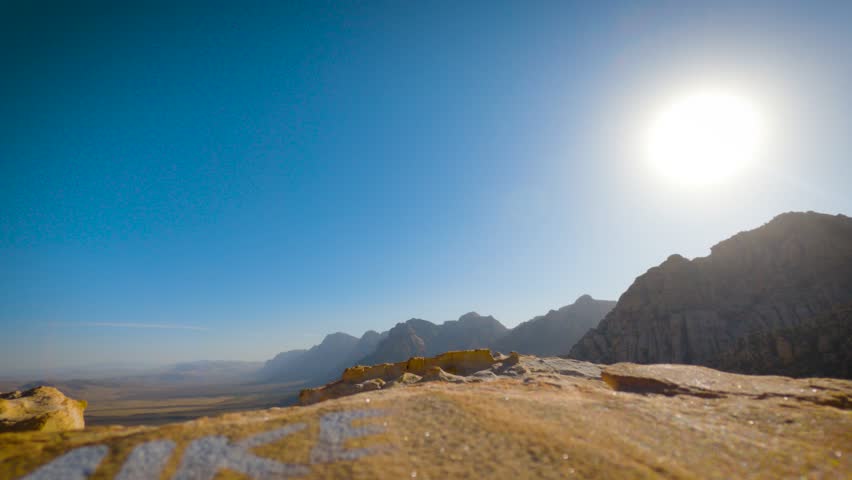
<point>705,138</point>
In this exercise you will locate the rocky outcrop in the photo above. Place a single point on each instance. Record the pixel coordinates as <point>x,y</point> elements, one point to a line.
<point>708,383</point>
<point>43,409</point>
<point>362,378</point>
<point>557,331</point>
<point>524,417</point>
<point>454,367</point>
<point>776,278</point>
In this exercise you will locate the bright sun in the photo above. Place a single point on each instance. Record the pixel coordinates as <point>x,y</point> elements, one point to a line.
<point>705,137</point>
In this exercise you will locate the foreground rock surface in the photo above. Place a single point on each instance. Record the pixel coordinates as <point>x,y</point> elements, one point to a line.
<point>41,409</point>
<point>521,416</point>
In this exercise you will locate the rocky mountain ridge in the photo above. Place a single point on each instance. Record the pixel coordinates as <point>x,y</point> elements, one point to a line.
<point>783,276</point>
<point>557,331</point>
<point>549,334</point>
<point>418,337</point>
<point>323,361</point>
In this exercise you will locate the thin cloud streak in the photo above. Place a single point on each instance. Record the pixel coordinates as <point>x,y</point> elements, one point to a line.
<point>164,326</point>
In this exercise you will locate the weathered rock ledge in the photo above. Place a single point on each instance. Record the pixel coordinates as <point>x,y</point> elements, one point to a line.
<point>457,415</point>
<point>455,367</point>
<point>709,383</point>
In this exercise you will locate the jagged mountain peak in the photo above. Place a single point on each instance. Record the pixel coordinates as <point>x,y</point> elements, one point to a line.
<point>584,298</point>
<point>555,332</point>
<point>469,316</point>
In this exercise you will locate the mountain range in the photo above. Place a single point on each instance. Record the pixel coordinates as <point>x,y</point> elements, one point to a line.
<point>326,360</point>
<point>550,334</point>
<point>773,300</point>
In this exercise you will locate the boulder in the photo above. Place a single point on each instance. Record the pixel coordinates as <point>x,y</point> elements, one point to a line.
<point>43,409</point>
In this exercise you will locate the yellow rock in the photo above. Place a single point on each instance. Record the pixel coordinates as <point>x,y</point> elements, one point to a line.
<point>43,409</point>
<point>406,379</point>
<point>456,362</point>
<point>461,362</point>
<point>354,379</point>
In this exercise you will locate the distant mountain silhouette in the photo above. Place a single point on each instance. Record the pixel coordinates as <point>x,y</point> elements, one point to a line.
<point>406,339</point>
<point>470,331</point>
<point>418,337</point>
<point>769,300</point>
<point>321,362</point>
<point>557,331</point>
<point>550,334</point>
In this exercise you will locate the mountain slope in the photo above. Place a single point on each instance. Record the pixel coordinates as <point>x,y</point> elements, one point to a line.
<point>819,346</point>
<point>417,338</point>
<point>779,276</point>
<point>557,331</point>
<point>321,362</point>
<point>470,331</point>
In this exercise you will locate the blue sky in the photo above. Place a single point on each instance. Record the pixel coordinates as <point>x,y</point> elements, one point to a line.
<point>270,172</point>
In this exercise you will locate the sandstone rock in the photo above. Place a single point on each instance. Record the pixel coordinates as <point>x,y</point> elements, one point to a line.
<point>691,423</point>
<point>354,378</point>
<point>563,366</point>
<point>464,361</point>
<point>780,276</point>
<point>438,374</point>
<point>41,409</point>
<point>513,359</point>
<point>709,383</point>
<point>406,378</point>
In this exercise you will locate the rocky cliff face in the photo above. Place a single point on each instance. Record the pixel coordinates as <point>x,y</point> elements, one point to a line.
<point>366,344</point>
<point>779,277</point>
<point>819,346</point>
<point>557,331</point>
<point>406,339</point>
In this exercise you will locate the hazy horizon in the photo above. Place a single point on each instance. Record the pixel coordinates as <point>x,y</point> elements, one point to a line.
<point>231,182</point>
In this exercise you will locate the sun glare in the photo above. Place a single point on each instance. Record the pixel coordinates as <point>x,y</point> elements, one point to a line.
<point>705,137</point>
